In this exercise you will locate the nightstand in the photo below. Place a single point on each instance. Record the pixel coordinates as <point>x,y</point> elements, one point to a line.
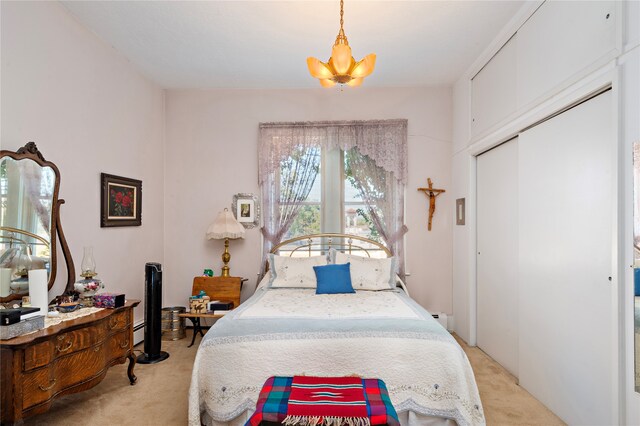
<point>217,288</point>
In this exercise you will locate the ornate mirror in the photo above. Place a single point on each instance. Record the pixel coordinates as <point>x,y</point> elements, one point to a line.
<point>29,221</point>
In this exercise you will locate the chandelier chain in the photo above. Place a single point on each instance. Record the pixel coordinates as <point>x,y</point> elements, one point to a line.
<point>341,15</point>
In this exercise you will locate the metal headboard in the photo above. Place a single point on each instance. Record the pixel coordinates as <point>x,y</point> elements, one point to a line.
<point>325,241</point>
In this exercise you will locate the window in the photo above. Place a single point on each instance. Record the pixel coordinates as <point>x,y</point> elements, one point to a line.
<point>334,203</point>
<point>333,177</point>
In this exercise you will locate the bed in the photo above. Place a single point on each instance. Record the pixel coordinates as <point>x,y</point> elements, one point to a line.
<point>293,331</point>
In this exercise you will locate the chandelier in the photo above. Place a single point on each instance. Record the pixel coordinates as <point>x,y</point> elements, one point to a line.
<point>341,67</point>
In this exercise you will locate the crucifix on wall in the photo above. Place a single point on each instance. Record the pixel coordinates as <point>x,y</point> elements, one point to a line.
<point>432,193</point>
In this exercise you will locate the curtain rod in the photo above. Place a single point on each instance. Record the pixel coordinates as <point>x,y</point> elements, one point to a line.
<point>402,121</point>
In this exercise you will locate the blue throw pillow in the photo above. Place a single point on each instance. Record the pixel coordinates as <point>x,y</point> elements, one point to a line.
<point>333,279</point>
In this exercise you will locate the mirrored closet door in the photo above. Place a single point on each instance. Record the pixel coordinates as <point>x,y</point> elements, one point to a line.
<point>636,263</point>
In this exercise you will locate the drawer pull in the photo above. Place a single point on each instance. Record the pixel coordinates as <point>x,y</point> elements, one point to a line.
<point>66,348</point>
<point>44,389</point>
<point>124,344</point>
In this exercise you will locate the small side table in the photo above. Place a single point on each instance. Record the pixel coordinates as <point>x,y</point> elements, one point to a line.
<point>217,288</point>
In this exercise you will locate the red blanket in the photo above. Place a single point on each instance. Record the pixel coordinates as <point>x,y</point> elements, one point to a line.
<point>318,397</point>
<point>329,401</point>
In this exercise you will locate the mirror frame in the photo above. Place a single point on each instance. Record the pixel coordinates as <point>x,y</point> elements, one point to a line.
<point>30,152</point>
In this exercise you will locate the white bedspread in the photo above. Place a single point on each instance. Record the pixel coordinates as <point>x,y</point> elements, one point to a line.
<point>285,332</point>
<point>307,304</point>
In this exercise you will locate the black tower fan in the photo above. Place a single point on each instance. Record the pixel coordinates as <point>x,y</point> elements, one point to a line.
<point>152,315</point>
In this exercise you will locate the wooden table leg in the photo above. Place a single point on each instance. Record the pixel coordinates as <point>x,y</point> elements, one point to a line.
<point>132,363</point>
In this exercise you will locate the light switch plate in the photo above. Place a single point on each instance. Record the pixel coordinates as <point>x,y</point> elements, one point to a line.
<point>460,211</point>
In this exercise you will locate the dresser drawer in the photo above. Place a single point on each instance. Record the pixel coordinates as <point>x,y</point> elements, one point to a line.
<point>38,355</point>
<point>118,345</point>
<point>77,340</point>
<point>38,386</point>
<point>118,321</point>
<point>63,344</point>
<point>42,384</point>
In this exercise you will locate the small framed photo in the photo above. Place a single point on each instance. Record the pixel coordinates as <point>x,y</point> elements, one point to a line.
<point>246,209</point>
<point>120,202</point>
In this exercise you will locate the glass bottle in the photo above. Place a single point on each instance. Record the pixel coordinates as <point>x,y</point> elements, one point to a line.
<point>23,262</point>
<point>88,264</point>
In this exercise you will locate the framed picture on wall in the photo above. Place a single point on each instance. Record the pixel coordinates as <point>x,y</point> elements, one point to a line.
<point>120,201</point>
<point>246,209</point>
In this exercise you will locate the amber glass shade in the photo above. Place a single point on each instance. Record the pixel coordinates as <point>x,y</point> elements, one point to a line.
<point>364,67</point>
<point>327,83</point>
<point>318,69</point>
<point>341,58</point>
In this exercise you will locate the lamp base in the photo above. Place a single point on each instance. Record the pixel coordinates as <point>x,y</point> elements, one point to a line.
<point>226,257</point>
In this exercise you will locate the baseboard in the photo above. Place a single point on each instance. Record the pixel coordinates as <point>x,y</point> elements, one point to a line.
<point>138,332</point>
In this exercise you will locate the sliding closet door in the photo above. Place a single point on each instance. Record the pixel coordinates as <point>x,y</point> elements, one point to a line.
<point>567,306</point>
<point>497,257</point>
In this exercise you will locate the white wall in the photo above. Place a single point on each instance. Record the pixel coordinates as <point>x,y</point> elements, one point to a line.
<point>211,154</point>
<point>463,254</point>
<point>89,112</point>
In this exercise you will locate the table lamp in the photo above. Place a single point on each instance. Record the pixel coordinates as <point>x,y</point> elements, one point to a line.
<point>225,227</point>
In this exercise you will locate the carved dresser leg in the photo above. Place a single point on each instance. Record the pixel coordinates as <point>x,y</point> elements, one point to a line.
<point>132,363</point>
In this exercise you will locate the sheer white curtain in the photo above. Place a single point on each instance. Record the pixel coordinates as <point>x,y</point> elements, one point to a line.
<point>383,196</point>
<point>378,150</point>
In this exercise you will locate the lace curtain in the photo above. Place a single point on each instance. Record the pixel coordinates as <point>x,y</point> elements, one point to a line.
<point>285,192</point>
<point>382,148</point>
<point>383,196</point>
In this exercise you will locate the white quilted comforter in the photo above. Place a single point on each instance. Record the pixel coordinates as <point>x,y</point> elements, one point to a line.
<point>286,332</point>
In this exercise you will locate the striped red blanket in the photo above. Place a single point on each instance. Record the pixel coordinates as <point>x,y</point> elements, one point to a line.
<point>327,401</point>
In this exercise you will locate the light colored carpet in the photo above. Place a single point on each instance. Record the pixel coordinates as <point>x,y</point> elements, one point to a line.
<point>160,396</point>
<point>504,402</point>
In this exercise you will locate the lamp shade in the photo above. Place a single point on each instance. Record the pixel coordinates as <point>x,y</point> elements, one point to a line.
<point>225,226</point>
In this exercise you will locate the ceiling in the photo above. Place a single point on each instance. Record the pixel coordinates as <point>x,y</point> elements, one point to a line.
<point>264,44</point>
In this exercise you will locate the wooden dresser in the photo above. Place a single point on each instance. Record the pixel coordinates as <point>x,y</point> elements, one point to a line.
<point>62,359</point>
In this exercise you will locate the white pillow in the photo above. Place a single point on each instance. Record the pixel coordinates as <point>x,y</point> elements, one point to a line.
<point>294,272</point>
<point>369,273</point>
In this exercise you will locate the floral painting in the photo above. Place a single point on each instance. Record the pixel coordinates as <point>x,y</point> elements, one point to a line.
<point>121,201</point>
